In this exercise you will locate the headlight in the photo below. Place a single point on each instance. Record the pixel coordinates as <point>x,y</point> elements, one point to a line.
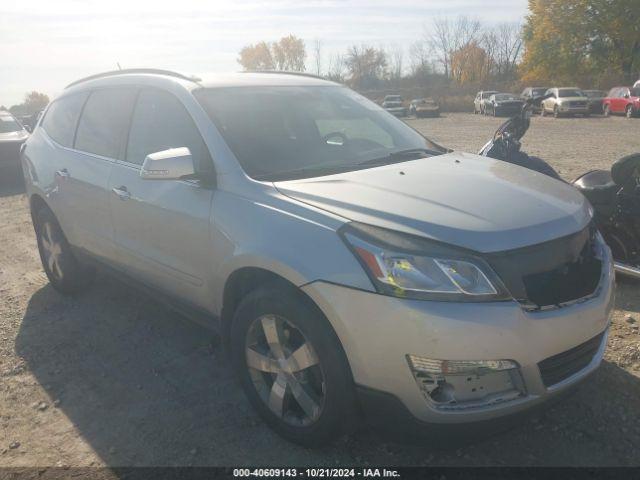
<point>406,266</point>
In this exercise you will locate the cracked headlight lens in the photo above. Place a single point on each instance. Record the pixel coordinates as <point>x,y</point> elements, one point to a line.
<point>403,266</point>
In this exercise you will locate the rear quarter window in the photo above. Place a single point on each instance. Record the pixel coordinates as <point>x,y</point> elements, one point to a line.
<point>105,121</point>
<point>62,117</point>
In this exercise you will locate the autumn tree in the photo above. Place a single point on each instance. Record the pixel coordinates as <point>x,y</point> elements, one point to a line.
<point>366,65</point>
<point>569,40</point>
<point>469,64</point>
<point>287,54</point>
<point>447,36</point>
<point>256,57</point>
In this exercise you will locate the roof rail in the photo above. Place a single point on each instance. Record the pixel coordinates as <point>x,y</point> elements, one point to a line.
<point>284,72</point>
<point>168,73</point>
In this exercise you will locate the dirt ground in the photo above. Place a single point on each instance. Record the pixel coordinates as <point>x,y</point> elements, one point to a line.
<point>112,378</point>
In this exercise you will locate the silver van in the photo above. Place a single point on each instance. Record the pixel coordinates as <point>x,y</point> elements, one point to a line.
<point>351,265</point>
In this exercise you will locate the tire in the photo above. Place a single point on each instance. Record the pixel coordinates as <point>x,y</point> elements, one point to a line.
<point>542,112</point>
<point>65,272</point>
<point>495,113</point>
<point>327,381</point>
<point>629,111</point>
<point>606,111</point>
<point>556,113</point>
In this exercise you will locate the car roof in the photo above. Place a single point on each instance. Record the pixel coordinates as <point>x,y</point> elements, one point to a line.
<point>160,77</point>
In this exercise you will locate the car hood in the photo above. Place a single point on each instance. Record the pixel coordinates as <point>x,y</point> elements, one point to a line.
<point>462,199</point>
<point>13,136</point>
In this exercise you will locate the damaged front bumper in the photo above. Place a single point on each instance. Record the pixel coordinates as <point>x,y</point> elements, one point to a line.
<point>385,338</point>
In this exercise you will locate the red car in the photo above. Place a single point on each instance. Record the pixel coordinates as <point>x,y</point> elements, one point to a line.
<point>624,100</point>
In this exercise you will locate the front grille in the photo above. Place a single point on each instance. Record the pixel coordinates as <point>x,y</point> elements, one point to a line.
<point>551,273</point>
<point>577,104</point>
<point>561,366</point>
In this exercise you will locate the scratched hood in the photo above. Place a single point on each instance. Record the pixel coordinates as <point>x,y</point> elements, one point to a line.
<point>462,199</point>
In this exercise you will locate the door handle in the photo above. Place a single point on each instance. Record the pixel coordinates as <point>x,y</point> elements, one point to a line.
<point>122,192</point>
<point>64,173</point>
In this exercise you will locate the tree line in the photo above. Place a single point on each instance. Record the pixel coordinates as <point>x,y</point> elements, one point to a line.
<point>576,42</point>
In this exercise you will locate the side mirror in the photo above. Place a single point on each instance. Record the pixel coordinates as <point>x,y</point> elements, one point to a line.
<point>172,164</point>
<point>626,95</point>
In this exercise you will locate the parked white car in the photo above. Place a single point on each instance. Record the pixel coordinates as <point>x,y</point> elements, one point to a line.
<point>349,263</point>
<point>565,101</point>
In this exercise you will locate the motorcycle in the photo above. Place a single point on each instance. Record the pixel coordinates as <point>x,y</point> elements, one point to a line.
<point>614,194</point>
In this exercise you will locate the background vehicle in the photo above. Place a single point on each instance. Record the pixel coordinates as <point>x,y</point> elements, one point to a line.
<point>394,105</point>
<point>565,101</point>
<point>503,104</point>
<point>12,136</point>
<point>596,98</point>
<point>481,98</point>
<point>347,260</point>
<point>622,100</point>
<point>615,196</point>
<point>424,107</point>
<point>533,92</point>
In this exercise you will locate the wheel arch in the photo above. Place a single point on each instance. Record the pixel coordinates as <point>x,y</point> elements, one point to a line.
<point>36,203</point>
<point>246,279</point>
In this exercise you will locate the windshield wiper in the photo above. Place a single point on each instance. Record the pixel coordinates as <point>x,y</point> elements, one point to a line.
<point>402,155</point>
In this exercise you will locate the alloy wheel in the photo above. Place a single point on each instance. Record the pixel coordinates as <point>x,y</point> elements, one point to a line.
<point>285,370</point>
<point>52,249</point>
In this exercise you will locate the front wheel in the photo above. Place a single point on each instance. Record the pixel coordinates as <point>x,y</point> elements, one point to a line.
<point>292,367</point>
<point>65,272</point>
<point>542,112</point>
<point>556,112</point>
<point>607,111</point>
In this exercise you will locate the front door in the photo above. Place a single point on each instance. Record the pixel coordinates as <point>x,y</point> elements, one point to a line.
<point>162,226</point>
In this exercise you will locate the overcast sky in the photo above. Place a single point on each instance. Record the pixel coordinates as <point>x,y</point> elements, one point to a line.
<point>46,44</point>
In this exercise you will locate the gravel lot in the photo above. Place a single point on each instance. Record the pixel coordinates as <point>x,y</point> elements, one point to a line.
<point>112,378</point>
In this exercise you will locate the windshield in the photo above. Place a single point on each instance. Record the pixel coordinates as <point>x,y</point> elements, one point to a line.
<point>392,99</point>
<point>505,96</point>
<point>570,92</point>
<point>487,94</point>
<point>280,133</point>
<point>635,92</point>
<point>9,124</point>
<point>538,92</point>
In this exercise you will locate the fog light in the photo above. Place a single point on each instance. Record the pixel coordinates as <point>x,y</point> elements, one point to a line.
<point>460,384</point>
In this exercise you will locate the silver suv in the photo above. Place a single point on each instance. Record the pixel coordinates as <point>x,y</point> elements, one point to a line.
<point>350,264</point>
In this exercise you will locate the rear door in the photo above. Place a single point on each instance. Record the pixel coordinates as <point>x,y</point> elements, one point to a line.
<point>84,177</point>
<point>162,226</point>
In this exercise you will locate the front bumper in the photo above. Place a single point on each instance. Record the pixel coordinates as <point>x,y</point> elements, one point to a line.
<point>397,111</point>
<point>377,332</point>
<point>573,109</point>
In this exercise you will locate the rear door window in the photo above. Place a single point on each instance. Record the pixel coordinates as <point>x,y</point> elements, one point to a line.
<point>105,121</point>
<point>161,122</point>
<point>62,117</point>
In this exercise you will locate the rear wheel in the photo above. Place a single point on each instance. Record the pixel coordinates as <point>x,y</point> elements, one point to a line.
<point>65,272</point>
<point>606,111</point>
<point>629,111</point>
<point>292,367</point>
